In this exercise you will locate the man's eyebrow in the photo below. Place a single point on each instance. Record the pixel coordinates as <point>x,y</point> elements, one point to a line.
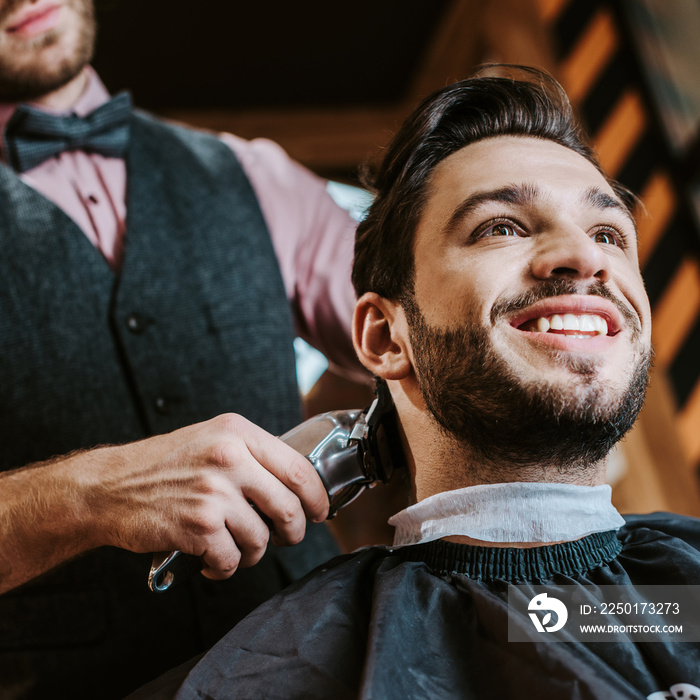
<point>602,200</point>
<point>510,194</point>
<point>525,194</point>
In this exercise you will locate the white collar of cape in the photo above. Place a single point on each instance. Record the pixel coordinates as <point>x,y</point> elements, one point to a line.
<point>512,512</point>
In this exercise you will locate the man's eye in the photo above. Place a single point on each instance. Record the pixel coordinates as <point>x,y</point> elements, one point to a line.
<point>500,230</point>
<point>605,237</point>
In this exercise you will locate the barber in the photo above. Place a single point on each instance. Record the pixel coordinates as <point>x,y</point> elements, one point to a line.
<point>146,280</point>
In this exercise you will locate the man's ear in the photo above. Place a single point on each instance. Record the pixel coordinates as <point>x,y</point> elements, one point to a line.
<point>380,337</point>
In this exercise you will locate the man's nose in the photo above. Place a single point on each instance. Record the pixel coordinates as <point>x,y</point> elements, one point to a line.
<point>572,253</point>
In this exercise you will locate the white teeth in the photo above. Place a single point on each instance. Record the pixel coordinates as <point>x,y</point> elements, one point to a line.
<point>587,324</point>
<point>570,323</point>
<point>584,323</point>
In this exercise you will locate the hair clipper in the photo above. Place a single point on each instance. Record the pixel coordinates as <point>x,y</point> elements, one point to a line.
<point>350,450</point>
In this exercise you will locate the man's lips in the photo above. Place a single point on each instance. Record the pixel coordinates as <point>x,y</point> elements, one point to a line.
<point>575,316</point>
<point>35,19</point>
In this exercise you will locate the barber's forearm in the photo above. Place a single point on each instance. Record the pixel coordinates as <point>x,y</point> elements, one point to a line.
<point>212,489</point>
<point>44,518</point>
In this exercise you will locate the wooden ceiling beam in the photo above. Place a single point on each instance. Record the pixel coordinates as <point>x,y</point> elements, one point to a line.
<point>322,139</point>
<point>515,31</point>
<point>455,48</point>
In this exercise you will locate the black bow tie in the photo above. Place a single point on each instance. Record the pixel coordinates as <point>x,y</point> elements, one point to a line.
<point>33,136</point>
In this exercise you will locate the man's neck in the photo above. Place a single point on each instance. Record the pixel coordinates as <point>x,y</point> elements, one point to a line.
<point>65,96</point>
<point>442,463</point>
<point>448,465</point>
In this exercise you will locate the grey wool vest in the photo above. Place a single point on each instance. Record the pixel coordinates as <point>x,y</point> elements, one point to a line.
<point>195,324</point>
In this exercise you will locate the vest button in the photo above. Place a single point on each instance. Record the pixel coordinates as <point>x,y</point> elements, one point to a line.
<point>162,405</point>
<point>136,323</point>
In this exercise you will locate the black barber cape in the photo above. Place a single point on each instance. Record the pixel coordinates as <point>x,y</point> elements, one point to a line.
<point>430,621</point>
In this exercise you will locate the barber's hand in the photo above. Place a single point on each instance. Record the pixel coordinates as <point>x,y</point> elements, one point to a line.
<point>197,490</point>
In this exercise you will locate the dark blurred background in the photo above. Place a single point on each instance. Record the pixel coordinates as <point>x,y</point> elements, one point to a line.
<point>216,54</point>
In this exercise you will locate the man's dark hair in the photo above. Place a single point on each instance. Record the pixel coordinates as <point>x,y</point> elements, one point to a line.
<point>531,103</point>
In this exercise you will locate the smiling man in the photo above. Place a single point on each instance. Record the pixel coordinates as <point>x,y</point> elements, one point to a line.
<point>500,299</point>
<point>525,316</point>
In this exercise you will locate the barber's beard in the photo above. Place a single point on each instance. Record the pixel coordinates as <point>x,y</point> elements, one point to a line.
<point>23,80</point>
<point>507,424</point>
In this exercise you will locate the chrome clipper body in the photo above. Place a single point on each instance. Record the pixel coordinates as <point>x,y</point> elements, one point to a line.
<point>350,450</point>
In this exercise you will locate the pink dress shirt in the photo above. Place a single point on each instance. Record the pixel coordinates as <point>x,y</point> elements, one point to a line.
<point>312,237</point>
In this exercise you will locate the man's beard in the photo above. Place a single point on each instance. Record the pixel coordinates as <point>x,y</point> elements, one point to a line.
<point>507,424</point>
<point>27,80</point>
